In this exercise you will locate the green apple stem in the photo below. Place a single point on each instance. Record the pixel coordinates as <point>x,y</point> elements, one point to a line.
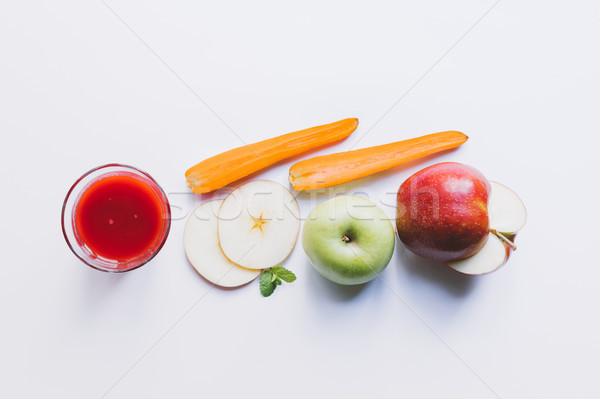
<point>345,239</point>
<point>503,238</point>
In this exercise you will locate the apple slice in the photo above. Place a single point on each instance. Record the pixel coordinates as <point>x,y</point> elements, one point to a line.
<point>202,249</point>
<point>493,255</point>
<point>507,215</point>
<point>506,211</point>
<point>258,224</point>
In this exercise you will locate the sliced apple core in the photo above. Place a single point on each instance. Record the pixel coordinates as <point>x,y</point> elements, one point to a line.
<point>506,211</point>
<point>202,249</point>
<point>493,255</point>
<point>258,224</point>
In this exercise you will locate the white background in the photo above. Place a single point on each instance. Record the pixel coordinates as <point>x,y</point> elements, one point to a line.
<point>81,85</point>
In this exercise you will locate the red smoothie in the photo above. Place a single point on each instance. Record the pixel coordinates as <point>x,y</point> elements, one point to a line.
<point>118,217</point>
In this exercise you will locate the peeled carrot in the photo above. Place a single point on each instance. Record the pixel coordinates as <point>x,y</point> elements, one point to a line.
<point>222,169</point>
<point>329,170</point>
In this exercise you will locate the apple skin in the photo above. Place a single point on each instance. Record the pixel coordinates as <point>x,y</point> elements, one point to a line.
<point>369,246</point>
<point>442,212</point>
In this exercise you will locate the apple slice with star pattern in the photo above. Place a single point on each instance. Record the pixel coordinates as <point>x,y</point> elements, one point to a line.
<point>258,224</point>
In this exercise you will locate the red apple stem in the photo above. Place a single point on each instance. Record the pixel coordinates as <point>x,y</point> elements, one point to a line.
<point>503,238</point>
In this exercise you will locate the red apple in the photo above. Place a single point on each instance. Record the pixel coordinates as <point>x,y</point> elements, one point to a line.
<point>449,212</point>
<point>442,212</point>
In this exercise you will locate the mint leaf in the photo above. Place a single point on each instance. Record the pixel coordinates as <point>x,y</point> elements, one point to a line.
<point>267,286</point>
<point>271,278</point>
<point>284,274</point>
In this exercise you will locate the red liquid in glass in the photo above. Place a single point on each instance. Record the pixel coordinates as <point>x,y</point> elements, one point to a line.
<point>119,217</point>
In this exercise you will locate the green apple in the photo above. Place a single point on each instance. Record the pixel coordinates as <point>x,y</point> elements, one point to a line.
<point>348,239</point>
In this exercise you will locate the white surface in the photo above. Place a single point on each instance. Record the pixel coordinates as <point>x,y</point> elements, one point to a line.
<point>78,89</point>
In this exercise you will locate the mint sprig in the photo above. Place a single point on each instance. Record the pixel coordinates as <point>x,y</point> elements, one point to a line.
<point>271,278</point>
